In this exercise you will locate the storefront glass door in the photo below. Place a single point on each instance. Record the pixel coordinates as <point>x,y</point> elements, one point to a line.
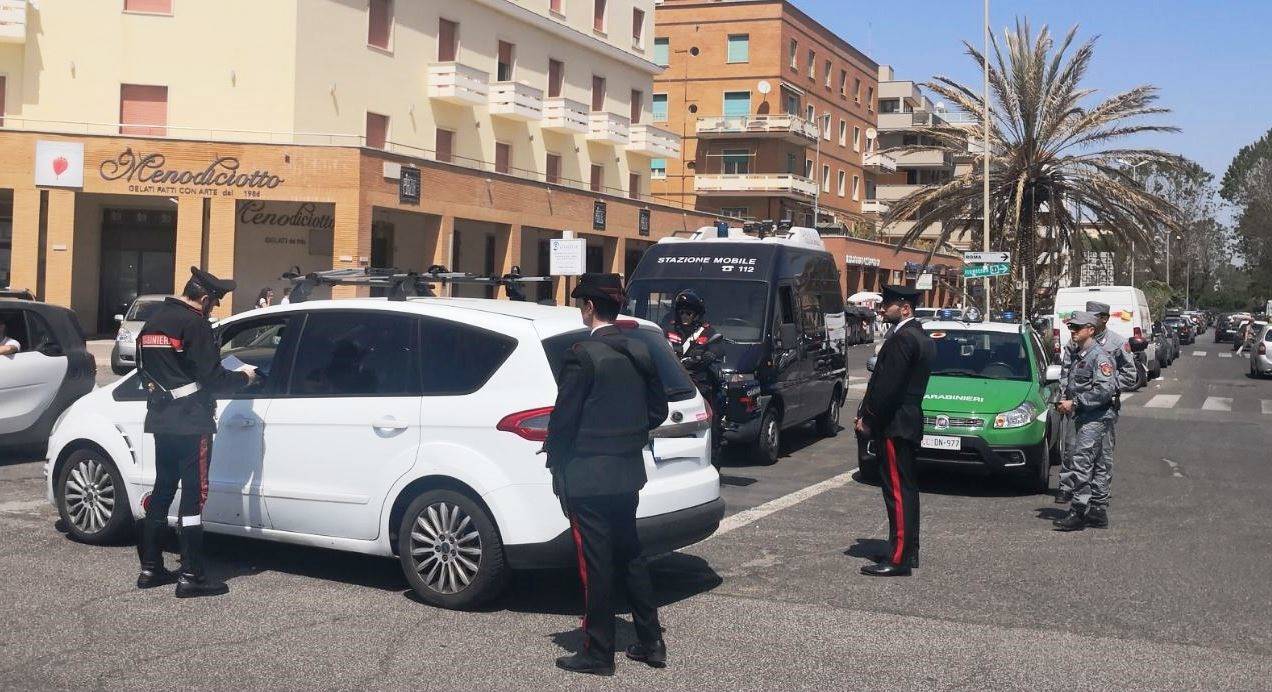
<point>138,257</point>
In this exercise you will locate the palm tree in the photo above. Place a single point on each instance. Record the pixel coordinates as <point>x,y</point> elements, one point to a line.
<point>1057,178</point>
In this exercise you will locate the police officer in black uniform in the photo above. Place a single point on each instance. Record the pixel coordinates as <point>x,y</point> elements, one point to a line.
<point>180,365</point>
<point>609,397</point>
<point>701,350</point>
<point>892,415</point>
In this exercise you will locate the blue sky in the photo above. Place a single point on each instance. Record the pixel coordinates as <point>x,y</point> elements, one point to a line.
<point>1211,59</point>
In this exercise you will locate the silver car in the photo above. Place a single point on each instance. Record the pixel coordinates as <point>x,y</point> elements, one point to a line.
<point>1261,352</point>
<point>123,357</point>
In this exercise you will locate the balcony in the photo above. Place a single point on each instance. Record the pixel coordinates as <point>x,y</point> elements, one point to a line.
<point>873,206</point>
<point>516,101</point>
<point>754,184</point>
<point>877,162</point>
<point>906,121</point>
<point>931,158</point>
<point>13,21</point>
<point>789,127</point>
<point>457,83</point>
<point>608,128</point>
<point>565,116</point>
<point>892,193</point>
<point>654,142</point>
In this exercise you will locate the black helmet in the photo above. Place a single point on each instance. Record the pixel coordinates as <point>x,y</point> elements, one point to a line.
<point>689,300</point>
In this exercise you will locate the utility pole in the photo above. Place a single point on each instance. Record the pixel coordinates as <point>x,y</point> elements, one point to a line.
<point>817,168</point>
<point>985,172</point>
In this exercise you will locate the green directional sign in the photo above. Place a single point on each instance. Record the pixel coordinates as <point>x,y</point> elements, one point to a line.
<point>980,271</point>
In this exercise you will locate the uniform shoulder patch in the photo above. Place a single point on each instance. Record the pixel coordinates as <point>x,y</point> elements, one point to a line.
<point>1106,368</point>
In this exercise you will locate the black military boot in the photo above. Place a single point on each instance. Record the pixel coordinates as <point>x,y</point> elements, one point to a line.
<point>193,582</point>
<point>149,552</point>
<point>1097,518</point>
<point>1075,520</point>
<point>653,655</point>
<point>583,662</point>
<point>1063,497</point>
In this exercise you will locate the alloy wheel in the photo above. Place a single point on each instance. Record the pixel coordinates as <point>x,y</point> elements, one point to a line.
<point>445,548</point>
<point>90,496</point>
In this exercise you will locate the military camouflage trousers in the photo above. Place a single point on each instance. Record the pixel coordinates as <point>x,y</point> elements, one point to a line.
<point>1086,468</point>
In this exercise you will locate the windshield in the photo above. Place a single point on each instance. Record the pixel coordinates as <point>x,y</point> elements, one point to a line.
<point>990,355</point>
<point>143,310</point>
<point>675,380</point>
<point>736,309</point>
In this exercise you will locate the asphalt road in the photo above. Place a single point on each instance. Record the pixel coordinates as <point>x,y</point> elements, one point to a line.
<point>1175,594</point>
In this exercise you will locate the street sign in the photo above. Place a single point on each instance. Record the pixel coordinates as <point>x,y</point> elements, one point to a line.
<point>924,283</point>
<point>986,257</point>
<point>566,256</point>
<point>980,271</point>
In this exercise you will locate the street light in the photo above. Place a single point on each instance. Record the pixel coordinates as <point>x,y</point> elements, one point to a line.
<point>826,118</point>
<point>985,171</point>
<point>1132,167</point>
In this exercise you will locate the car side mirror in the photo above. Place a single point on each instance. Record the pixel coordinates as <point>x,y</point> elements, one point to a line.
<point>870,363</point>
<point>1052,374</point>
<point>788,335</point>
<point>119,318</point>
<point>1138,344</point>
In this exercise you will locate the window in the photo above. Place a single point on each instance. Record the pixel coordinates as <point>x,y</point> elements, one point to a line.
<point>792,163</point>
<point>143,110</point>
<point>856,187</point>
<point>503,157</point>
<point>638,28</point>
<point>459,358</point>
<point>825,126</point>
<point>812,64</point>
<point>825,177</point>
<point>556,76</point>
<point>843,82</point>
<point>598,15</point>
<point>662,51</point>
<point>638,104</point>
<point>737,104</point>
<point>808,168</point>
<point>658,169</point>
<point>256,342</point>
<point>843,183</point>
<point>826,76</point>
<point>856,89</point>
<point>735,212</point>
<point>736,161</point>
<point>660,108</point>
<point>790,102</point>
<point>148,6</point>
<point>856,138</point>
<point>843,133</point>
<point>598,93</point>
<point>870,99</point>
<point>447,40</point>
<point>377,130</point>
<point>598,177</point>
<point>444,145</point>
<point>555,6</point>
<point>503,69</point>
<point>812,114</point>
<point>552,167</point>
<point>633,185</point>
<point>739,49</point>
<point>357,354</point>
<point>380,23</point>
<point>794,55</point>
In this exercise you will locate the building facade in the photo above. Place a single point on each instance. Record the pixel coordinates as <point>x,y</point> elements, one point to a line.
<point>320,134</point>
<point>774,111</point>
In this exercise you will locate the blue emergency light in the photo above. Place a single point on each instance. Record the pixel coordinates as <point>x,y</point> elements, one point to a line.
<point>722,229</point>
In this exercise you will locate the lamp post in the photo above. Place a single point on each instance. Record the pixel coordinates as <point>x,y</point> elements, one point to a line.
<point>985,171</point>
<point>825,117</point>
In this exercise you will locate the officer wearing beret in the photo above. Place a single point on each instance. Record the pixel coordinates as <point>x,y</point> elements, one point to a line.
<point>180,366</point>
<point>892,416</point>
<point>609,397</point>
<point>1089,390</point>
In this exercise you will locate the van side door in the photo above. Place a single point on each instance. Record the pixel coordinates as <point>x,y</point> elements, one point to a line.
<point>790,366</point>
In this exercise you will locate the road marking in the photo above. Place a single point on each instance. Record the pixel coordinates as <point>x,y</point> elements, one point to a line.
<point>1217,403</point>
<point>22,505</point>
<point>1200,353</point>
<point>1267,407</point>
<point>1127,395</point>
<point>1225,355</point>
<point>754,514</point>
<point>1162,401</point>
<point>1174,468</point>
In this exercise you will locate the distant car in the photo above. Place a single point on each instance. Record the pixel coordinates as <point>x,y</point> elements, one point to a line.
<point>1184,327</point>
<point>52,370</point>
<point>1240,333</point>
<point>1249,334</point>
<point>1167,341</point>
<point>1261,353</point>
<point>1223,328</point>
<point>123,356</point>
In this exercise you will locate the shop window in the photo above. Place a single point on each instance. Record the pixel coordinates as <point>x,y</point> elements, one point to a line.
<point>598,177</point>
<point>638,28</point>
<point>143,110</point>
<point>148,6</point>
<point>658,169</point>
<point>444,145</point>
<point>598,15</point>
<point>552,168</point>
<point>556,76</point>
<point>447,40</point>
<point>660,108</point>
<point>503,157</point>
<point>598,93</point>
<point>638,104</point>
<point>503,70</point>
<point>662,51</point>
<point>380,23</point>
<point>633,185</point>
<point>737,104</point>
<point>739,48</point>
<point>377,130</point>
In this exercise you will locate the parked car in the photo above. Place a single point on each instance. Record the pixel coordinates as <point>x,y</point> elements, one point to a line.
<point>378,425</point>
<point>1261,353</point>
<point>51,370</point>
<point>1250,334</point>
<point>1167,341</point>
<point>1224,327</point>
<point>1241,334</point>
<point>1183,327</point>
<point>123,355</point>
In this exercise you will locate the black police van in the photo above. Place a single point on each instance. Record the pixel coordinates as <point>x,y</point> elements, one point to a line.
<point>774,296</point>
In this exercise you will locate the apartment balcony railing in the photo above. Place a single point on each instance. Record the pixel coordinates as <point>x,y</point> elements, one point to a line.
<point>880,163</point>
<point>873,206</point>
<point>13,21</point>
<point>565,116</point>
<point>791,127</point>
<point>455,82</point>
<point>930,158</point>
<point>892,193</point>
<point>654,142</point>
<point>750,184</point>
<point>609,128</point>
<point>516,101</point>
<point>905,121</point>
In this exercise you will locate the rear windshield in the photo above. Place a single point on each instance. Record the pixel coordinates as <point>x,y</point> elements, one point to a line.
<point>143,310</point>
<point>676,381</point>
<point>989,355</point>
<point>735,309</point>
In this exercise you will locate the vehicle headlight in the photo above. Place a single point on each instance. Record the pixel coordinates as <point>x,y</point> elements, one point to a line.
<point>1018,417</point>
<point>124,335</point>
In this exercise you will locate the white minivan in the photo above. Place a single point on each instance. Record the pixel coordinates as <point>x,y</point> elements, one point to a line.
<point>399,428</point>
<point>1129,316</point>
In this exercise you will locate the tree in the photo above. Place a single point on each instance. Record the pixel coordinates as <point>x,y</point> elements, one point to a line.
<point>1248,185</point>
<point>1056,175</point>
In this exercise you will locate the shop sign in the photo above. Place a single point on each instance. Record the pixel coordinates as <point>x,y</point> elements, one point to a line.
<point>861,261</point>
<point>409,186</point>
<point>642,223</point>
<point>59,164</point>
<point>224,176</point>
<point>598,215</point>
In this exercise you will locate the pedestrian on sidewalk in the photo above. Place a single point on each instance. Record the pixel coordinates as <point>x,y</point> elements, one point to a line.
<point>1088,393</point>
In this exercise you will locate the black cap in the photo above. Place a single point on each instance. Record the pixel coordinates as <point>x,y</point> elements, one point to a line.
<point>891,294</point>
<point>598,286</point>
<point>217,288</point>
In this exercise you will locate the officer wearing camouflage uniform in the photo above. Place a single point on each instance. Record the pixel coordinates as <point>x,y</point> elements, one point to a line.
<point>1088,393</point>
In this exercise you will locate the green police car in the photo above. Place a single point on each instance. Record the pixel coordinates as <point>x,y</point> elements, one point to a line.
<point>987,404</point>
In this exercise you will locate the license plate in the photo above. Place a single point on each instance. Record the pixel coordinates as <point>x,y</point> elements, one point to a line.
<point>941,442</point>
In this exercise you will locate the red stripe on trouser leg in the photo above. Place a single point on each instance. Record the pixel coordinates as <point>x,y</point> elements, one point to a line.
<point>578,551</point>
<point>898,506</point>
<point>203,471</point>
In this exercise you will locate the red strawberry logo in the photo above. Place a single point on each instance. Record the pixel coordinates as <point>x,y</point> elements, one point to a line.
<point>60,165</point>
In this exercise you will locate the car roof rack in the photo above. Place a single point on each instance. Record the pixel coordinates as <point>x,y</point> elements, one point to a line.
<point>401,284</point>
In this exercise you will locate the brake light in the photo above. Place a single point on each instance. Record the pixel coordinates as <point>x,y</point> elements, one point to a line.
<point>528,425</point>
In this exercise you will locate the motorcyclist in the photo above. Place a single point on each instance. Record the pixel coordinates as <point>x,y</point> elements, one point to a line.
<point>701,350</point>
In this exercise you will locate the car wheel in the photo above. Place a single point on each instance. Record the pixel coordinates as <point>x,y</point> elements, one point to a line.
<point>768,446</point>
<point>828,422</point>
<point>1155,373</point>
<point>450,550</point>
<point>91,499</point>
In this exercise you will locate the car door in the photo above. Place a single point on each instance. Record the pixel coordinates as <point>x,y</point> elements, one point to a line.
<point>789,363</point>
<point>348,425</point>
<point>30,378</point>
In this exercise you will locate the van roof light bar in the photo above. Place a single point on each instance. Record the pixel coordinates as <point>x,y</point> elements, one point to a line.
<point>402,285</point>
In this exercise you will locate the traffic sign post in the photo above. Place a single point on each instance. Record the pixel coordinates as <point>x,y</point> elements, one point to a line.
<point>984,271</point>
<point>986,257</point>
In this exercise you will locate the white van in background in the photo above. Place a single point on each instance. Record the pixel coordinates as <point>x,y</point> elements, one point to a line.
<point>1129,316</point>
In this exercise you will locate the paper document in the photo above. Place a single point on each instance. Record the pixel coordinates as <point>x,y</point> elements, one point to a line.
<point>233,363</point>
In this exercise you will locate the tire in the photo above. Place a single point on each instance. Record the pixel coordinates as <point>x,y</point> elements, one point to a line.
<point>440,526</point>
<point>768,446</point>
<point>1055,453</point>
<point>91,499</point>
<point>1155,373</point>
<point>828,422</point>
<point>1038,479</point>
